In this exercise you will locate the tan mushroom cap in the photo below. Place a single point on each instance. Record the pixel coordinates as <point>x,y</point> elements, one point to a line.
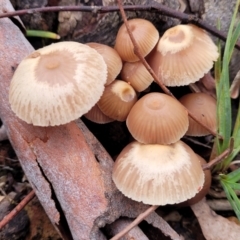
<point>117,100</point>
<point>206,186</point>
<point>183,55</point>
<point>157,118</point>
<point>145,34</point>
<point>111,58</point>
<point>137,75</point>
<point>57,84</point>
<point>158,174</point>
<point>97,116</point>
<point>204,108</point>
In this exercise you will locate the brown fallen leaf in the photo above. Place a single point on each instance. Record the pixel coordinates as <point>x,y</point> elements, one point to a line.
<point>120,224</point>
<point>214,227</point>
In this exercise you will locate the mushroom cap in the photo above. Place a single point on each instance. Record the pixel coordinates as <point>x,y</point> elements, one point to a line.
<point>111,58</point>
<point>145,34</point>
<point>206,186</point>
<point>158,174</point>
<point>117,100</point>
<point>57,84</point>
<point>97,116</point>
<point>204,108</point>
<point>157,118</point>
<point>183,55</point>
<point>137,75</point>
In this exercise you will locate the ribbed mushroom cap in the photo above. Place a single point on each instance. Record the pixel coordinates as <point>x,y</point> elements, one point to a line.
<point>137,75</point>
<point>145,34</point>
<point>206,186</point>
<point>111,58</point>
<point>97,116</point>
<point>158,174</point>
<point>57,84</point>
<point>204,108</point>
<point>157,118</point>
<point>183,55</point>
<point>117,100</point>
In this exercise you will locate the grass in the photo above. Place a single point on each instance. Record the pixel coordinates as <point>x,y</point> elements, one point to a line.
<point>229,181</point>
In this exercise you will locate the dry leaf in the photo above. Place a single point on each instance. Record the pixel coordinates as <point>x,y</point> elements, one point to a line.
<point>214,227</point>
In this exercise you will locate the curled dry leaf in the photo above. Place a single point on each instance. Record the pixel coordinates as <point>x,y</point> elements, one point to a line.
<point>214,226</point>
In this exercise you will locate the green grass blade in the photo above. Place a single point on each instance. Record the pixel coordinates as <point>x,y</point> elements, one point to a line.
<point>232,198</point>
<point>234,186</point>
<point>232,176</point>
<point>234,39</point>
<point>223,94</point>
<point>42,34</point>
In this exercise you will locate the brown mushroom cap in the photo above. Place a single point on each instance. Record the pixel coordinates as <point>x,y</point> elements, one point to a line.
<point>204,108</point>
<point>144,33</point>
<point>117,100</point>
<point>57,84</point>
<point>137,75</point>
<point>111,58</point>
<point>183,55</point>
<point>157,118</point>
<point>206,186</point>
<point>97,116</point>
<point>158,174</point>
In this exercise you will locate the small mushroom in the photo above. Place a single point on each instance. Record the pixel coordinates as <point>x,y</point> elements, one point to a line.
<point>157,118</point>
<point>204,108</point>
<point>183,55</point>
<point>158,174</point>
<point>145,34</point>
<point>137,75</point>
<point>57,84</point>
<point>111,58</point>
<point>97,116</point>
<point>117,100</point>
<point>206,186</point>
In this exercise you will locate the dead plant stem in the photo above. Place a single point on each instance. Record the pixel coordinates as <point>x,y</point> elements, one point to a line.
<point>140,218</point>
<point>154,7</point>
<point>17,209</point>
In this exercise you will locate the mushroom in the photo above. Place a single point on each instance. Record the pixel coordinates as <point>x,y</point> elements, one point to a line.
<point>157,118</point>
<point>111,58</point>
<point>183,55</point>
<point>97,116</point>
<point>57,84</point>
<point>204,108</point>
<point>137,75</point>
<point>206,186</point>
<point>117,100</point>
<point>158,174</point>
<point>145,34</point>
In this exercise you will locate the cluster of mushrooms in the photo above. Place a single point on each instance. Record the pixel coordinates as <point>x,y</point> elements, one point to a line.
<point>64,81</point>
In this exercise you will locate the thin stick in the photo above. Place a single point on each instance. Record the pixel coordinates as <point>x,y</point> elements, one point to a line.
<point>135,222</point>
<point>219,158</point>
<point>154,7</point>
<point>142,59</point>
<point>17,209</point>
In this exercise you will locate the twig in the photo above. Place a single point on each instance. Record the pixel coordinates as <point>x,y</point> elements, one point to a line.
<point>155,7</point>
<point>135,222</point>
<point>219,158</point>
<point>17,209</point>
<point>196,142</point>
<point>155,77</point>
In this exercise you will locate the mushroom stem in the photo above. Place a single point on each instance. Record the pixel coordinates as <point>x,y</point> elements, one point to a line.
<point>142,59</point>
